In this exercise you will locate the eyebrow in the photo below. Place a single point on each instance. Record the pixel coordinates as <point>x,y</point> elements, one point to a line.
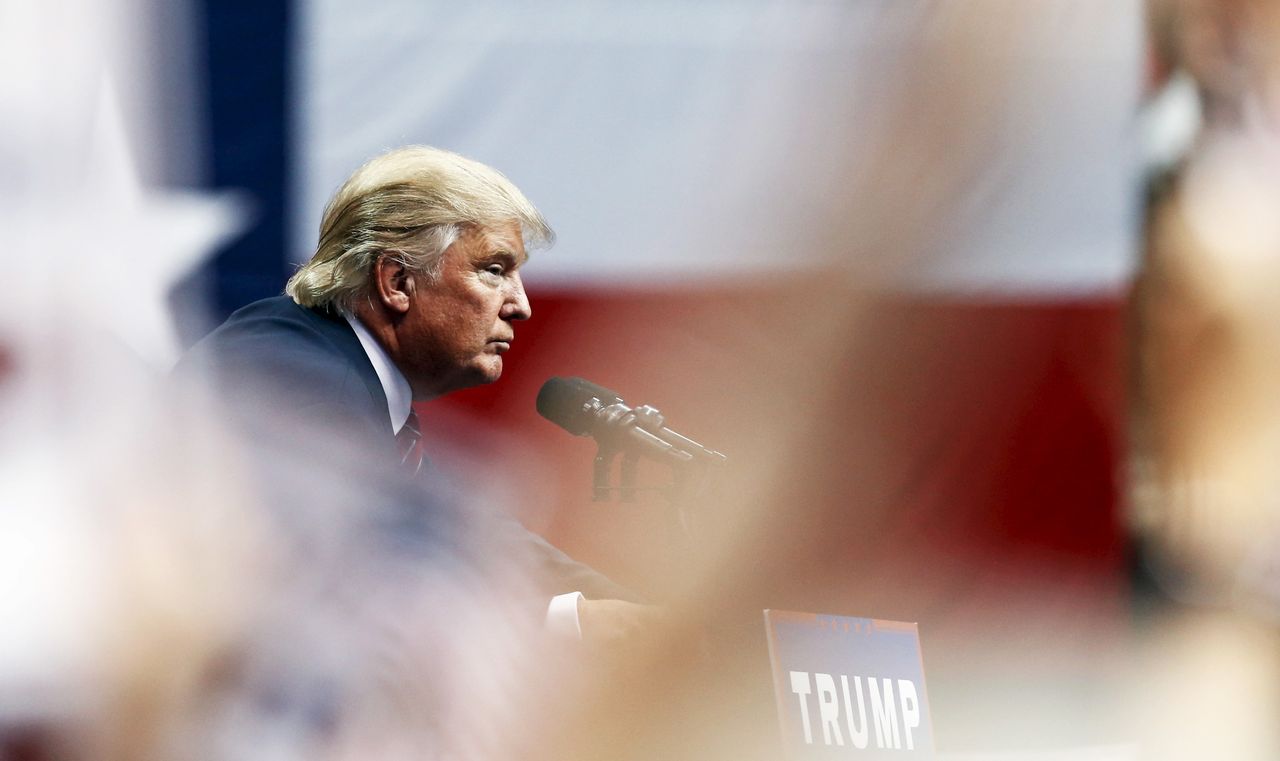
<point>507,253</point>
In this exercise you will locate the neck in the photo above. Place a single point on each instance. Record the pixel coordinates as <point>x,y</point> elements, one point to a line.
<point>379,325</point>
<point>382,325</point>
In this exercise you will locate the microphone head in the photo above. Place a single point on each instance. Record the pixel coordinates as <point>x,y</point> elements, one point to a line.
<point>564,402</point>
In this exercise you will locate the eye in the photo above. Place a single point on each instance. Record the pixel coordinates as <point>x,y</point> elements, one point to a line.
<point>496,269</point>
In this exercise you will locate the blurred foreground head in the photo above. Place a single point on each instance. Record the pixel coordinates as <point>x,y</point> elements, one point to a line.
<point>1228,47</point>
<point>1207,411</point>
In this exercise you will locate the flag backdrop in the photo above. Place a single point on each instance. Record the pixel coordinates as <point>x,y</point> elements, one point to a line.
<point>877,250</point>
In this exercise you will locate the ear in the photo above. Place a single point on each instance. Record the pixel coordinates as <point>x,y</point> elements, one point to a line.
<point>394,284</point>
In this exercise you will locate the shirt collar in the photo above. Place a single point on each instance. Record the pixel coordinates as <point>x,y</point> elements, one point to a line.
<point>394,384</point>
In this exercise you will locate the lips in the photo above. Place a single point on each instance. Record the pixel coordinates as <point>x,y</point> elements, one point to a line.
<point>500,345</point>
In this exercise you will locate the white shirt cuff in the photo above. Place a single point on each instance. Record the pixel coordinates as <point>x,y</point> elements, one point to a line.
<point>562,616</point>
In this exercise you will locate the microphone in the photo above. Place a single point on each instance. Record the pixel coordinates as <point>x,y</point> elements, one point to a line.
<point>585,409</point>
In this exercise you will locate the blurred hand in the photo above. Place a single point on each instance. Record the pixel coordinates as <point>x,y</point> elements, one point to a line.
<point>618,626</point>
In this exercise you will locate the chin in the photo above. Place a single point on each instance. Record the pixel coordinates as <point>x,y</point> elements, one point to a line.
<point>464,377</point>
<point>488,371</point>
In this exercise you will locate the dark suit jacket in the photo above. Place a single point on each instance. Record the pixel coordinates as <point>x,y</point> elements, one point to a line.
<point>299,378</point>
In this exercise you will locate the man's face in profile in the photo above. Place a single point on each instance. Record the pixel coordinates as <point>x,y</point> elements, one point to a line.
<point>460,323</point>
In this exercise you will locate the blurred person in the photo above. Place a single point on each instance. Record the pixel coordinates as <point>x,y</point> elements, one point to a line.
<point>157,604</point>
<point>414,292</point>
<point>1206,420</point>
<point>1206,359</point>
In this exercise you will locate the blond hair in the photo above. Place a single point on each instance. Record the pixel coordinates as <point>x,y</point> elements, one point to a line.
<point>409,203</point>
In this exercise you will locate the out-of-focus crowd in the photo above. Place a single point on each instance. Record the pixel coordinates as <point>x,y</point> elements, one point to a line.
<point>151,610</point>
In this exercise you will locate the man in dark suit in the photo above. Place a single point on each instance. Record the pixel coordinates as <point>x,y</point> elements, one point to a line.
<point>414,292</point>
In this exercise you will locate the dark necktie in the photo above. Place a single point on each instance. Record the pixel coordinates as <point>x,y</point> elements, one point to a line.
<point>409,444</point>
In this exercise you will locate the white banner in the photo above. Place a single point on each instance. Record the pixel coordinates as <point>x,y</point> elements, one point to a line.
<point>674,143</point>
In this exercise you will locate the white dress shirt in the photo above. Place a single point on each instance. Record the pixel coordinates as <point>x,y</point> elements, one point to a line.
<point>394,384</point>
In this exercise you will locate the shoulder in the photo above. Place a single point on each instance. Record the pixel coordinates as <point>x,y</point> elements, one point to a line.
<point>278,323</point>
<point>273,335</point>
<point>276,354</point>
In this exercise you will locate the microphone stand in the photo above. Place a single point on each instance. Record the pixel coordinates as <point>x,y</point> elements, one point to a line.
<point>692,468</point>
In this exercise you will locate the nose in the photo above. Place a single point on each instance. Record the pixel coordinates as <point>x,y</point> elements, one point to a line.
<point>516,307</point>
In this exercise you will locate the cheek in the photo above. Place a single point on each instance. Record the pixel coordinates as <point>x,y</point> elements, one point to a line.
<point>471,325</point>
<point>484,312</point>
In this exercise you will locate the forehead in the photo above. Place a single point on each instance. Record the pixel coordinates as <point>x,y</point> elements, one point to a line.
<point>500,237</point>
